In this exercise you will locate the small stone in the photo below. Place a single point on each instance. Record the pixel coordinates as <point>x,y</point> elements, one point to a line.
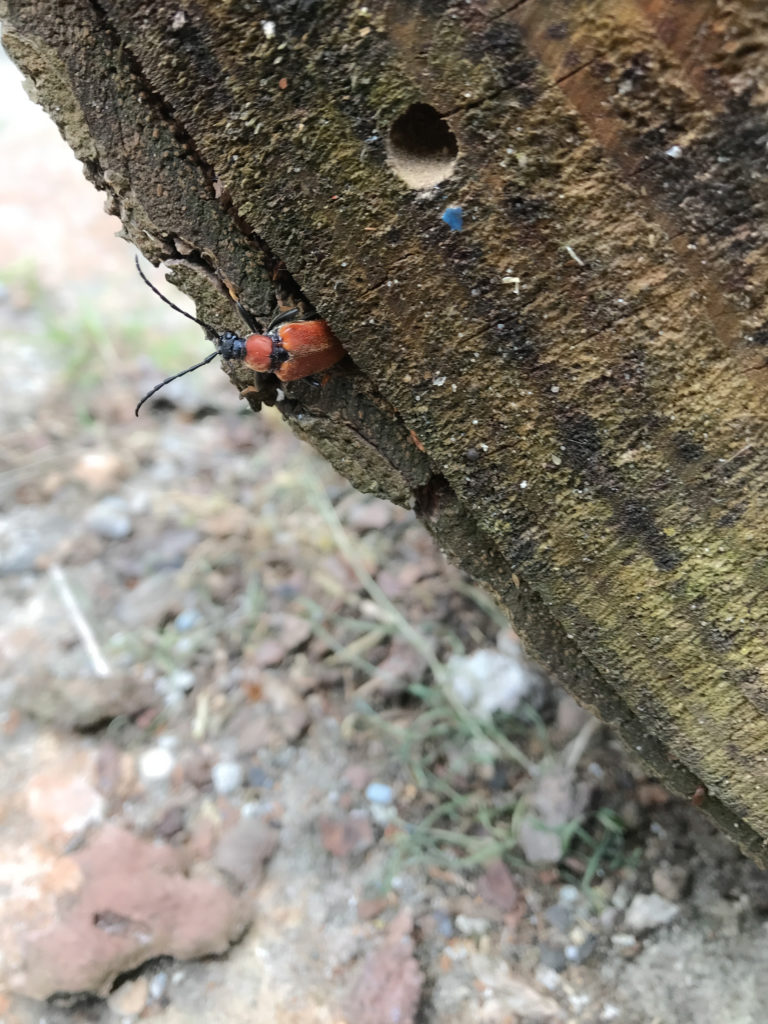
<point>497,887</point>
<point>581,952</point>
<point>379,793</point>
<point>559,917</point>
<point>607,918</point>
<point>610,1012</point>
<point>227,776</point>
<point>257,778</point>
<point>578,1001</point>
<point>197,769</point>
<point>346,835</point>
<point>670,880</point>
<point>626,945</point>
<point>552,957</point>
<point>19,555</point>
<point>631,814</point>
<point>547,977</point>
<point>648,911</point>
<point>368,909</point>
<point>569,895</point>
<point>180,681</point>
<point>245,849</point>
<point>471,925</point>
<point>443,924</point>
<point>79,701</point>
<point>187,619</point>
<point>158,985</point>
<point>383,816</point>
<point>156,764</point>
<point>109,518</point>
<point>356,776</point>
<point>170,547</point>
<point>171,823</point>
<point>98,470</point>
<point>130,999</point>
<point>151,602</point>
<point>621,897</point>
<point>488,680</point>
<point>387,983</point>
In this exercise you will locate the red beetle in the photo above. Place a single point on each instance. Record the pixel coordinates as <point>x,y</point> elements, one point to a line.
<point>290,349</point>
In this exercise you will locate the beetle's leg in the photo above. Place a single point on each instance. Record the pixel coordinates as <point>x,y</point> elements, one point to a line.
<point>282,318</point>
<point>249,319</point>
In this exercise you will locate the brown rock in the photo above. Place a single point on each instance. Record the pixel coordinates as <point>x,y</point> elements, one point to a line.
<point>245,849</point>
<point>498,887</point>
<point>671,880</point>
<point>133,905</point>
<point>387,985</point>
<point>346,834</point>
<point>81,701</point>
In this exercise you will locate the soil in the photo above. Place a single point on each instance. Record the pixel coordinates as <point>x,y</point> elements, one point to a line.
<point>266,755</point>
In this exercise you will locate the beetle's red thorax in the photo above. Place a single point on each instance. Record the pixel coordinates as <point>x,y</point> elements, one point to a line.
<point>311,348</point>
<point>258,352</point>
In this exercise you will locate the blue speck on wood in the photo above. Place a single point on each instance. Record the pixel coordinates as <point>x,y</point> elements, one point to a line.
<point>454,218</point>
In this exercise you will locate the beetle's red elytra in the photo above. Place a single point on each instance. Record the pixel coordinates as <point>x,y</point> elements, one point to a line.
<point>293,350</point>
<point>290,349</point>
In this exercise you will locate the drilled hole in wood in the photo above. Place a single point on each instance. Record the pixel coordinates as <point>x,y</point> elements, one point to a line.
<point>421,148</point>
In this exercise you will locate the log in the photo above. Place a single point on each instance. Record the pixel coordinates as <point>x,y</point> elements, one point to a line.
<point>539,229</point>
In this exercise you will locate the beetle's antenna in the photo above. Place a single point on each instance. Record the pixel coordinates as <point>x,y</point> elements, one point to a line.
<point>169,379</point>
<point>206,327</point>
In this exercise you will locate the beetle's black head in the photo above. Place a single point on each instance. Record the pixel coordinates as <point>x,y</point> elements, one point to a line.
<point>231,346</point>
<point>228,344</point>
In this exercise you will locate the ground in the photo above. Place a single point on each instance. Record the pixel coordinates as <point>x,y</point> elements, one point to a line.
<point>266,755</point>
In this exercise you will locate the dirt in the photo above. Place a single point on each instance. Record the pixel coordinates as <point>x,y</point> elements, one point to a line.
<point>266,756</point>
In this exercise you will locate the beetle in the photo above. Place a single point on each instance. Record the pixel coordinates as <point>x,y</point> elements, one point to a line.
<point>289,348</point>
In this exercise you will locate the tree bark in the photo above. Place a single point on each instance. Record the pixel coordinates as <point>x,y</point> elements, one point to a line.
<point>567,376</point>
